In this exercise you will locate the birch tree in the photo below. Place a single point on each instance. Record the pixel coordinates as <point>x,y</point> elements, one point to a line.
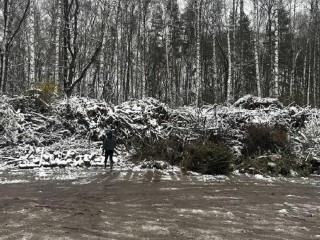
<point>276,52</point>
<point>166,34</point>
<point>229,84</point>
<point>256,45</point>
<point>293,49</point>
<point>143,29</point>
<point>214,52</point>
<point>315,77</point>
<point>198,77</point>
<point>57,27</point>
<point>4,46</point>
<point>32,32</point>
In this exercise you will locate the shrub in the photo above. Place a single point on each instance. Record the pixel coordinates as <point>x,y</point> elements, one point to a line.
<point>46,89</point>
<point>169,150</point>
<point>208,158</point>
<point>263,138</point>
<point>290,163</point>
<point>282,166</point>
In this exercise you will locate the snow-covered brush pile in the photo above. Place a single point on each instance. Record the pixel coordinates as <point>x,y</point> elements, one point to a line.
<point>135,119</point>
<point>251,102</point>
<point>21,122</point>
<point>307,140</point>
<point>9,122</point>
<point>231,121</point>
<point>79,124</point>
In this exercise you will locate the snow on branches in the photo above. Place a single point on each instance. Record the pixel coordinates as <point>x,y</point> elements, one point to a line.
<point>29,135</point>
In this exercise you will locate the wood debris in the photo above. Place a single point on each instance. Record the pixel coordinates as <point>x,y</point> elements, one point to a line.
<point>46,136</point>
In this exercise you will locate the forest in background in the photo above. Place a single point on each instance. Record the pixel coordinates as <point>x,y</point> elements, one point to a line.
<point>211,52</point>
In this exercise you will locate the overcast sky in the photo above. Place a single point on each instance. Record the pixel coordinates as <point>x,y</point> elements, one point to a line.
<point>247,4</point>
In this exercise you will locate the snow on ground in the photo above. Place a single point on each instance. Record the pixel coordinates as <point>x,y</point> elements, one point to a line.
<point>126,171</point>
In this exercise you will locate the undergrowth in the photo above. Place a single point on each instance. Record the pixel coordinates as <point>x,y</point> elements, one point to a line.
<point>198,156</point>
<point>267,151</point>
<point>208,158</point>
<point>47,90</point>
<point>263,138</point>
<point>286,165</point>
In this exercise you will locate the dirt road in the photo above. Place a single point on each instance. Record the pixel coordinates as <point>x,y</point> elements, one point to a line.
<point>155,205</point>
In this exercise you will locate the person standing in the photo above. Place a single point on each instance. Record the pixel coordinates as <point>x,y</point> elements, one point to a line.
<point>108,147</point>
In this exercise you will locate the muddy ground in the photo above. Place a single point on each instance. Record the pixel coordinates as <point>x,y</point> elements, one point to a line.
<point>125,204</point>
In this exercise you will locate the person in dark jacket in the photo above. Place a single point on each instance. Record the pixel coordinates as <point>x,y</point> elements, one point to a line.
<point>108,148</point>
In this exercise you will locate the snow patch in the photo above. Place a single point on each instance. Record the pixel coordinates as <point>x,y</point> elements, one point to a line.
<point>156,228</point>
<point>5,181</point>
<point>222,214</point>
<point>264,178</point>
<point>169,189</point>
<point>223,197</point>
<point>294,196</point>
<point>283,211</point>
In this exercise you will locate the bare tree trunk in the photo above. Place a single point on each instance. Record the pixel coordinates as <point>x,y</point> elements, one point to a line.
<point>214,60</point>
<point>117,69</point>
<point>317,74</point>
<point>5,63</point>
<point>73,75</point>
<point>276,53</point>
<point>116,54</point>
<point>64,57</point>
<point>293,49</point>
<point>8,37</point>
<point>105,13</point>
<point>4,45</point>
<point>198,78</point>
<point>101,78</point>
<point>309,76</point>
<point>229,86</point>
<point>235,70</point>
<point>137,86</point>
<point>242,80</point>
<point>144,30</point>
<point>256,46</point>
<point>129,58</point>
<point>314,71</point>
<point>56,71</point>
<point>32,66</point>
<point>165,18</point>
<point>304,77</point>
<point>269,78</point>
<point>229,77</point>
<point>144,42</point>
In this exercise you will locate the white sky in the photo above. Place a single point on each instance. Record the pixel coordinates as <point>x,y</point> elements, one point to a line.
<point>247,4</point>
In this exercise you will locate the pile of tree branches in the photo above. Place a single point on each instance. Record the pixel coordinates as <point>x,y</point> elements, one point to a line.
<point>79,124</point>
